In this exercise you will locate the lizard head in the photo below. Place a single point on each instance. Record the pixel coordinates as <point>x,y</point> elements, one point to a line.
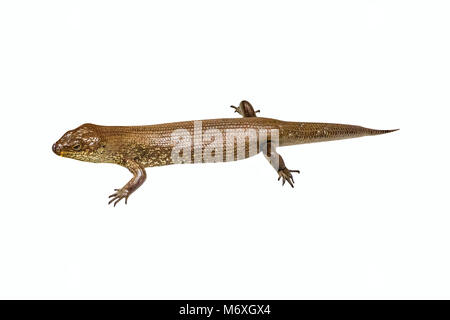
<point>83,143</point>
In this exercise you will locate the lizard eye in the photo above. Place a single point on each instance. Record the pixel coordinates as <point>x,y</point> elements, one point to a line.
<point>76,147</point>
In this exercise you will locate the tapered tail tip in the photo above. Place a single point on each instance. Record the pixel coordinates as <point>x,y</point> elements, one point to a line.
<point>376,132</point>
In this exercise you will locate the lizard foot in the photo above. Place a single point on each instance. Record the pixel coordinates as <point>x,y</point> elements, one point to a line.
<point>245,109</point>
<point>119,195</point>
<point>242,112</point>
<point>286,175</point>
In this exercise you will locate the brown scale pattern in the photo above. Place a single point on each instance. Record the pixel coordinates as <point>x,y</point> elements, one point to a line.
<point>152,145</point>
<point>137,147</point>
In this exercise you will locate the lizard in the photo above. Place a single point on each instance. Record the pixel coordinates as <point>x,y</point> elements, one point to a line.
<point>139,147</point>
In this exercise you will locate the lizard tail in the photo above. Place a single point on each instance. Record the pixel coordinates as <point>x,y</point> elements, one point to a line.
<point>310,132</point>
<point>374,132</point>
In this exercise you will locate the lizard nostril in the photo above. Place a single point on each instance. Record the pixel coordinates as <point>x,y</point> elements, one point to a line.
<point>54,148</point>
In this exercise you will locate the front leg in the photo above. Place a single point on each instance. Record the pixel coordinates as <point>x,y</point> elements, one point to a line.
<point>277,163</point>
<point>139,176</point>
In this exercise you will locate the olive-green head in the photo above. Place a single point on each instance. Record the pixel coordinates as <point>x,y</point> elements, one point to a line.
<point>83,143</point>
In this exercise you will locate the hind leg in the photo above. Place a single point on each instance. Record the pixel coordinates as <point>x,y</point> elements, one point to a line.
<point>277,163</point>
<point>245,109</point>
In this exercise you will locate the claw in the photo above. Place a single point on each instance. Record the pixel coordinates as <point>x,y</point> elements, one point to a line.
<point>245,110</point>
<point>118,195</point>
<point>287,176</point>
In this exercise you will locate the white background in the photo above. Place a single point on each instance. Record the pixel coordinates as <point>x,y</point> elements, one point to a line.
<point>369,217</point>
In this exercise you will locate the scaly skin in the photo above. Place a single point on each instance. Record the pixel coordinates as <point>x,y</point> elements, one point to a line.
<point>138,147</point>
